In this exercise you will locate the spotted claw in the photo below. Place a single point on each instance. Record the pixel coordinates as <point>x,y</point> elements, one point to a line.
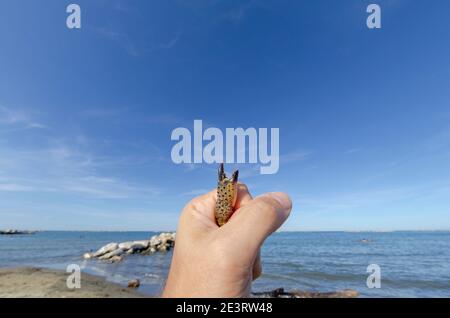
<point>226,196</point>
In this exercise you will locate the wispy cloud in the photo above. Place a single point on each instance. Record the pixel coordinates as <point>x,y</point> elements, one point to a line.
<point>250,171</point>
<point>294,156</point>
<point>121,38</point>
<point>105,188</point>
<point>121,6</point>
<point>101,113</point>
<point>165,119</point>
<point>194,193</point>
<point>367,198</point>
<point>18,119</point>
<point>239,13</point>
<point>64,167</point>
<point>11,187</point>
<point>135,48</point>
<point>352,150</point>
<point>170,43</point>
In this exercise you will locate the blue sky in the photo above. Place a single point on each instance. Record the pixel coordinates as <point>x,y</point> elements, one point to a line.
<point>86,115</point>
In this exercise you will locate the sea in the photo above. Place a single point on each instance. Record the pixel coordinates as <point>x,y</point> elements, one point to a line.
<point>406,264</point>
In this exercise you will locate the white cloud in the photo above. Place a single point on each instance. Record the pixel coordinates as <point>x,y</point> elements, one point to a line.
<point>165,45</point>
<point>294,156</point>
<point>194,193</point>
<point>18,119</point>
<point>370,197</point>
<point>126,42</point>
<point>236,15</point>
<point>65,169</point>
<point>11,187</point>
<point>352,150</point>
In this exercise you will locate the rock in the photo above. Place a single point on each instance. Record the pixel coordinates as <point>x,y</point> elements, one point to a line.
<point>106,249</point>
<point>148,251</point>
<point>126,245</point>
<point>135,245</point>
<point>117,252</point>
<point>347,293</point>
<point>115,259</point>
<point>163,248</point>
<point>155,241</point>
<point>114,252</point>
<point>135,283</point>
<point>88,255</point>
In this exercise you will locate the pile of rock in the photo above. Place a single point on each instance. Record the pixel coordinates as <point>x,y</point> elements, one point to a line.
<point>115,252</point>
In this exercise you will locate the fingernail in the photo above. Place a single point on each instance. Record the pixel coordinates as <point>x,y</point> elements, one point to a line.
<point>283,199</point>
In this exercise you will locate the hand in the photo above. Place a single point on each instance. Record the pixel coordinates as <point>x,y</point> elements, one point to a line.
<point>212,261</point>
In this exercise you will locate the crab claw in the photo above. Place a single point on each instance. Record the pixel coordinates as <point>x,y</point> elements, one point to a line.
<point>221,173</point>
<point>234,177</point>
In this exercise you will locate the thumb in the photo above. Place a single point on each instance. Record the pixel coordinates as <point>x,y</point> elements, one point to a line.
<point>255,221</point>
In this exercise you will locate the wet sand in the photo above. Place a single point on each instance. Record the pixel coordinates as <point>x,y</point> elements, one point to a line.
<point>45,283</point>
<point>28,282</point>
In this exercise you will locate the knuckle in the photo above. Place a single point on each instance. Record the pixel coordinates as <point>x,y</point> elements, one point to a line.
<point>243,187</point>
<point>268,206</point>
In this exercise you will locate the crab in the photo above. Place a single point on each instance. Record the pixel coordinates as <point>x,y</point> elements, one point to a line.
<point>226,196</point>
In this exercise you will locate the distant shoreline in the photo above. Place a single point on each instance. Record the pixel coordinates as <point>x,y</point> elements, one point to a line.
<point>16,232</point>
<point>30,282</point>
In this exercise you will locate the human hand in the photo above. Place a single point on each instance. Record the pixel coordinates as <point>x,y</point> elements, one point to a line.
<point>213,261</point>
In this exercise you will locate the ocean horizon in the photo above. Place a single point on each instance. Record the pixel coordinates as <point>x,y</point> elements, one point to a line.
<point>412,263</point>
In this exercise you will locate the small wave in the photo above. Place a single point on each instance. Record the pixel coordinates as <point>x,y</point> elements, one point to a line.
<point>422,284</point>
<point>333,276</point>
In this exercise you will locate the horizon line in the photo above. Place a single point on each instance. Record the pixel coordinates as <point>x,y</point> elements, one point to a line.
<point>282,231</point>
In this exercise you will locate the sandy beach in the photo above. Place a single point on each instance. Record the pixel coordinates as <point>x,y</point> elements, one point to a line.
<point>45,283</point>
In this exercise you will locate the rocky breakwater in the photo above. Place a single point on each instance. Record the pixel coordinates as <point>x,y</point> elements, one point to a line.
<point>115,252</point>
<point>16,232</point>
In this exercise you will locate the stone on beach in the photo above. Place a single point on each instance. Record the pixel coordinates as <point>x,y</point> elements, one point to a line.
<point>134,245</point>
<point>115,259</point>
<point>281,293</point>
<point>88,255</point>
<point>155,241</point>
<point>135,283</point>
<point>111,254</point>
<point>106,249</point>
<point>114,252</point>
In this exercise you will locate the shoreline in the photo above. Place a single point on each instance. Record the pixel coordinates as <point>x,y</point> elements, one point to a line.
<point>280,231</point>
<point>32,282</point>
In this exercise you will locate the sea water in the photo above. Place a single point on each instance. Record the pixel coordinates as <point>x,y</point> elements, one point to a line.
<point>413,264</point>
